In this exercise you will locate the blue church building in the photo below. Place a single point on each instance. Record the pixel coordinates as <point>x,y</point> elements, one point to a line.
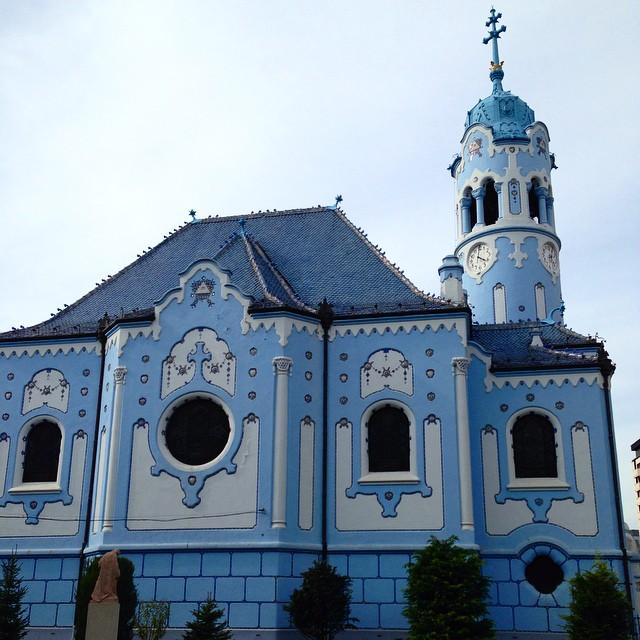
<point>259,391</point>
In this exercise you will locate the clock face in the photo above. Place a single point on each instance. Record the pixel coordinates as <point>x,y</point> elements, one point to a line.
<point>550,257</point>
<point>478,259</point>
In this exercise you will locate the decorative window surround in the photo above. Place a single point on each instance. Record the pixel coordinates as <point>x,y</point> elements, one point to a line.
<point>192,478</point>
<point>558,482</point>
<point>386,369</point>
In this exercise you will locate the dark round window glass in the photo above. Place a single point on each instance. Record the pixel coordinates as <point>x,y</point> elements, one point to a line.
<point>42,452</point>
<point>544,574</point>
<point>197,431</point>
<point>388,440</point>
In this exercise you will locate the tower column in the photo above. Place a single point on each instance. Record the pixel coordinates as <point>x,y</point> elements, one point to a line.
<point>550,212</point>
<point>498,186</point>
<point>460,369</point>
<point>478,194</point>
<point>465,208</point>
<point>282,366</point>
<point>541,194</point>
<point>119,375</point>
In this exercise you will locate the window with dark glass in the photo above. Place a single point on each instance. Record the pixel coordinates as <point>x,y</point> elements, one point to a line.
<point>534,447</point>
<point>197,431</point>
<point>388,440</point>
<point>534,209</point>
<point>544,574</point>
<point>490,203</point>
<point>42,452</point>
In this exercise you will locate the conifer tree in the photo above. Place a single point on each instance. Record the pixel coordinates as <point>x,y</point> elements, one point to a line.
<point>13,621</point>
<point>321,607</point>
<point>446,594</point>
<point>208,623</point>
<point>599,610</point>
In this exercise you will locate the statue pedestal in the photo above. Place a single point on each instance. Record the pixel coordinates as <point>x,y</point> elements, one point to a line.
<point>102,621</point>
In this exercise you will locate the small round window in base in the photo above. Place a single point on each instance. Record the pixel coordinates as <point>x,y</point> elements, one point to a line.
<point>544,574</point>
<point>197,431</point>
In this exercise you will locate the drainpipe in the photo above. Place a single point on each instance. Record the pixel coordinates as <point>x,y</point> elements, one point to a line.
<point>87,524</point>
<point>607,369</point>
<point>326,319</point>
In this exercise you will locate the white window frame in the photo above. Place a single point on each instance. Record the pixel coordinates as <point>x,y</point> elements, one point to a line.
<point>366,476</point>
<point>557,482</point>
<point>19,486</point>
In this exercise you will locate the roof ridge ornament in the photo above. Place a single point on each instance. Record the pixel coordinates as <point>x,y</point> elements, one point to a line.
<point>495,67</point>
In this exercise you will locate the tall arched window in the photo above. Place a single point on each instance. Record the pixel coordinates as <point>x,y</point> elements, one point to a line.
<point>541,304</point>
<point>499,303</point>
<point>473,210</point>
<point>388,440</point>
<point>534,447</point>
<point>490,203</point>
<point>534,210</point>
<point>42,452</point>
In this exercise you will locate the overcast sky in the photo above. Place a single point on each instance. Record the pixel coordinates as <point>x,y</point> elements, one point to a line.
<point>118,116</point>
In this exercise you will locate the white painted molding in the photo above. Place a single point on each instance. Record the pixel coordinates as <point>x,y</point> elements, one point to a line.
<point>282,366</point>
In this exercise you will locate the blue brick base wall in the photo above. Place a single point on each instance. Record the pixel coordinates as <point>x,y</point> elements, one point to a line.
<point>253,587</point>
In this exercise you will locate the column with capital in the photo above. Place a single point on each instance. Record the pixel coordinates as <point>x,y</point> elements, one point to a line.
<point>460,369</point>
<point>479,194</point>
<point>541,194</point>
<point>465,209</point>
<point>119,375</point>
<point>282,366</point>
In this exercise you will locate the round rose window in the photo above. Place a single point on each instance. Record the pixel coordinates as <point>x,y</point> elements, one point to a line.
<point>197,431</point>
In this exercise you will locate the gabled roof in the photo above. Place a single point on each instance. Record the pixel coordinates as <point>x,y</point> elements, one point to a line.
<point>281,259</point>
<point>536,345</point>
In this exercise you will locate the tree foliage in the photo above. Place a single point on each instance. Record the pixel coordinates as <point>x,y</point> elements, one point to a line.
<point>127,596</point>
<point>321,607</point>
<point>446,594</point>
<point>599,610</point>
<point>208,623</point>
<point>152,620</point>
<point>13,621</point>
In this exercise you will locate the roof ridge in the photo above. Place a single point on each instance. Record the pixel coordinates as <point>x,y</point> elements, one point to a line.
<point>254,265</point>
<point>143,256</point>
<point>385,261</point>
<point>263,214</point>
<point>283,281</point>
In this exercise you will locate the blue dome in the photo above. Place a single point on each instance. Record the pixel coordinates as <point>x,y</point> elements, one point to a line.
<point>507,115</point>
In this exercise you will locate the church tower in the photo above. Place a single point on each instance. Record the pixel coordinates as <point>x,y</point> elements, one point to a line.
<point>506,238</point>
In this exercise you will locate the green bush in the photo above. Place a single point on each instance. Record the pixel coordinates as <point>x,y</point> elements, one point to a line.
<point>320,608</point>
<point>13,621</point>
<point>598,609</point>
<point>127,595</point>
<point>208,623</point>
<point>152,620</point>
<point>446,594</point>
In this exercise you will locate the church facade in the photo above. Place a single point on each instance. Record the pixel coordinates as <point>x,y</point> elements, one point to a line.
<point>226,410</point>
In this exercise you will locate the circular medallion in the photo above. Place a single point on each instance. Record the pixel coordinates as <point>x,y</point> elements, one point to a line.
<point>549,256</point>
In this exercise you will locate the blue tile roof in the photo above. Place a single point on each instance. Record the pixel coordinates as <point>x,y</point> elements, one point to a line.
<point>290,259</point>
<point>510,346</point>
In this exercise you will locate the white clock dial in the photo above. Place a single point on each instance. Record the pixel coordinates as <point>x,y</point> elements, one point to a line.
<point>478,259</point>
<point>550,257</point>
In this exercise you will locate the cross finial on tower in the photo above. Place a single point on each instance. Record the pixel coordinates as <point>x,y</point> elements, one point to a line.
<point>496,74</point>
<point>192,213</point>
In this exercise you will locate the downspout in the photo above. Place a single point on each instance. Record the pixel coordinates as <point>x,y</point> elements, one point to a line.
<point>608,368</point>
<point>326,318</point>
<point>87,525</point>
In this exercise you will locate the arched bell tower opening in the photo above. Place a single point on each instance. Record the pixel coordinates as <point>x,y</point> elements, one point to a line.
<point>534,204</point>
<point>491,209</point>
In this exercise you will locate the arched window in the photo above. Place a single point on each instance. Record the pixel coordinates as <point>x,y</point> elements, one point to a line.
<point>388,440</point>
<point>42,452</point>
<point>499,303</point>
<point>541,305</point>
<point>534,210</point>
<point>534,447</point>
<point>473,210</point>
<point>490,203</point>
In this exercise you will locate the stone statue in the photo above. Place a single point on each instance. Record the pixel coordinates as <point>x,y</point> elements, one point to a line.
<point>106,589</point>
